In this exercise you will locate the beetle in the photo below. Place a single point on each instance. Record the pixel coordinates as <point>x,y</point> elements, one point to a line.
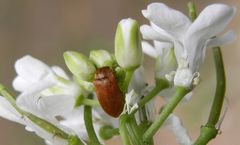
<point>108,92</point>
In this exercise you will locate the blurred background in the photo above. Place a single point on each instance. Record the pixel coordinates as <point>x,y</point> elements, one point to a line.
<point>45,29</point>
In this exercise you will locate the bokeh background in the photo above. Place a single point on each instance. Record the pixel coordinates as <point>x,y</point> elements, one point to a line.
<point>47,28</point>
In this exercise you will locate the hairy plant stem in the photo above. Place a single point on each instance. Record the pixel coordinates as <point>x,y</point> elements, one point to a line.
<point>209,131</point>
<point>167,110</point>
<point>89,124</point>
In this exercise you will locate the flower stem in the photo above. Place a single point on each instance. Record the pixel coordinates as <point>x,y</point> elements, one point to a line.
<point>90,102</point>
<point>134,131</point>
<point>167,110</point>
<point>192,12</point>
<point>220,88</point>
<point>160,85</point>
<point>127,80</point>
<point>123,130</point>
<point>89,124</point>
<point>209,131</point>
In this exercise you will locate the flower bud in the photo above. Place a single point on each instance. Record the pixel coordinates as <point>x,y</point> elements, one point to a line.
<point>128,50</point>
<point>79,65</point>
<point>101,58</point>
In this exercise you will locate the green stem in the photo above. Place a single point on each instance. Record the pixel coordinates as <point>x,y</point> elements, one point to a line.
<point>134,130</point>
<point>209,131</point>
<point>207,134</point>
<point>90,102</point>
<point>160,85</point>
<point>220,88</point>
<point>192,12</point>
<point>167,110</point>
<point>89,124</point>
<point>127,80</point>
<point>123,130</point>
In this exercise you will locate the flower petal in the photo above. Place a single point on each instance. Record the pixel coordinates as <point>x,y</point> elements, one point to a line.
<point>20,84</point>
<point>149,49</point>
<point>75,121</point>
<point>226,38</point>
<point>31,69</point>
<point>9,112</point>
<point>137,82</point>
<point>56,104</point>
<point>28,100</point>
<point>172,21</point>
<point>60,72</point>
<point>175,124</point>
<point>212,20</point>
<point>150,33</point>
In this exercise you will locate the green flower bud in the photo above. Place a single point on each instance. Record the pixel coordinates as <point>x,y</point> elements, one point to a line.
<point>101,58</point>
<point>79,65</point>
<point>128,50</point>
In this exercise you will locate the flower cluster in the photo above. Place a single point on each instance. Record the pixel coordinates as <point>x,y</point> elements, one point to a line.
<point>107,93</point>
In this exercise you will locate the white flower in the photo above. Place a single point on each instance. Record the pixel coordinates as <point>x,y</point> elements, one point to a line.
<point>9,112</point>
<point>175,124</point>
<point>190,39</point>
<point>45,92</point>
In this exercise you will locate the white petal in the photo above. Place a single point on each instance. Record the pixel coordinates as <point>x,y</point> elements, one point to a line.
<point>149,33</point>
<point>172,21</point>
<point>99,114</point>
<point>151,110</point>
<point>9,112</point>
<point>175,124</point>
<point>21,84</point>
<point>60,72</point>
<point>162,46</point>
<point>221,40</point>
<point>149,49</point>
<point>31,69</point>
<point>211,21</point>
<point>28,100</point>
<point>56,104</point>
<point>137,82</point>
<point>75,121</point>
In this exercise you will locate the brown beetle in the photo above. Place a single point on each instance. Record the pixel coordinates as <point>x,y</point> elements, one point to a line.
<point>108,91</point>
